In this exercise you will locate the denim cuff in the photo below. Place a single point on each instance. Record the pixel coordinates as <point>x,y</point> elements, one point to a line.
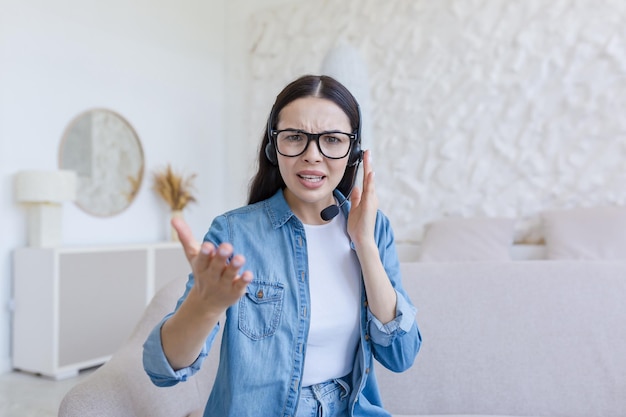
<point>383,334</point>
<point>158,367</point>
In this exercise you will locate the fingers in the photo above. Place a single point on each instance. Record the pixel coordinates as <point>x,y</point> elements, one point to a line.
<point>189,243</point>
<point>369,186</point>
<point>231,270</point>
<point>369,189</point>
<point>367,162</point>
<point>355,197</point>
<point>218,261</point>
<point>221,264</point>
<point>368,170</point>
<point>244,280</point>
<point>205,258</point>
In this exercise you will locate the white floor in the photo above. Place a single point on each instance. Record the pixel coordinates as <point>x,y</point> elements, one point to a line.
<point>27,395</point>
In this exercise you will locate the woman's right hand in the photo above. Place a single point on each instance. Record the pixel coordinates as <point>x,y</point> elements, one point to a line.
<point>216,280</point>
<point>217,285</point>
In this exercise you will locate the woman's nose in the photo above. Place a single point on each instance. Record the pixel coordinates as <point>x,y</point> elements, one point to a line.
<point>312,152</point>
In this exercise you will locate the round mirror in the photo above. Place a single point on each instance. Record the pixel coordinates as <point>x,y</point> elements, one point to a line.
<point>106,154</point>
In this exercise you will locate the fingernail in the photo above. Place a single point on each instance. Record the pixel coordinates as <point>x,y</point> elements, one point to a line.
<point>224,252</point>
<point>206,249</point>
<point>237,262</point>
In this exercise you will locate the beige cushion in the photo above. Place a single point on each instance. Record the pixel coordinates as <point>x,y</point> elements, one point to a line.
<point>586,233</point>
<point>467,239</point>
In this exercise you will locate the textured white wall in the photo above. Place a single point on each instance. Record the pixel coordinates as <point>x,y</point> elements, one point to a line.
<point>478,107</point>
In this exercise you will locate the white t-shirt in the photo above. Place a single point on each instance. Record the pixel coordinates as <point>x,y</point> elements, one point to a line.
<point>334,283</point>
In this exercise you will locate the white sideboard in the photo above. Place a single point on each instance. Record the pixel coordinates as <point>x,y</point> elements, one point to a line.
<point>75,306</point>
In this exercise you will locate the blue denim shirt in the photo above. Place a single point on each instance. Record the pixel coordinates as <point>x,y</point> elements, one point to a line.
<point>265,333</point>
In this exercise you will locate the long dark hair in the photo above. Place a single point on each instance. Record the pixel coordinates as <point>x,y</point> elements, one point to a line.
<point>268,180</point>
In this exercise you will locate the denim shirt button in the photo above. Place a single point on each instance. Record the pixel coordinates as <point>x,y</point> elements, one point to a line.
<point>259,294</point>
<point>367,337</point>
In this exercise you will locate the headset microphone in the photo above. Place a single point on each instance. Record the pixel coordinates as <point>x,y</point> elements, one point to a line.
<point>331,211</point>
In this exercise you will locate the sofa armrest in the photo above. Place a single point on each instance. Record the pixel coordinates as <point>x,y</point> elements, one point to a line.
<point>121,387</point>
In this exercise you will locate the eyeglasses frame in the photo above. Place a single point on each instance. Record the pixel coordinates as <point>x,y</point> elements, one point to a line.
<point>312,137</point>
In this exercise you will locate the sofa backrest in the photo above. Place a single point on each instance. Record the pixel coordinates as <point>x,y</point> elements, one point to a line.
<point>515,338</point>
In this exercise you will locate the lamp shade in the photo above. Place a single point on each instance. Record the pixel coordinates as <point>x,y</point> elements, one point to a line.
<point>45,186</point>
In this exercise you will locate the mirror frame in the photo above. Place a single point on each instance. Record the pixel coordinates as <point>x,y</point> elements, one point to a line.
<point>109,175</point>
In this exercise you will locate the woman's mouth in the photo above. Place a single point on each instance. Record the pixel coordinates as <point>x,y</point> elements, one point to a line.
<point>312,178</point>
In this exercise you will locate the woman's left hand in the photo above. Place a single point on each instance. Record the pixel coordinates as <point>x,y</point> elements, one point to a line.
<point>362,218</point>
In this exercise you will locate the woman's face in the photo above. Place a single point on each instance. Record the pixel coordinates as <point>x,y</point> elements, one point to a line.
<point>311,178</point>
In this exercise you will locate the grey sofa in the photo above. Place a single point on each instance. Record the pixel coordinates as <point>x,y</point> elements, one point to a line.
<point>518,338</point>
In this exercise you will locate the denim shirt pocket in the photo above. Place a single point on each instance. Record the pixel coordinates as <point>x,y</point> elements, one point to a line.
<point>260,309</point>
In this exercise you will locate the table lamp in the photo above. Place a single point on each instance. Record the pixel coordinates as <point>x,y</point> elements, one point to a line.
<point>44,192</point>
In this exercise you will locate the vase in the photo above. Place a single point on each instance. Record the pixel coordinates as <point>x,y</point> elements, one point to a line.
<point>175,214</point>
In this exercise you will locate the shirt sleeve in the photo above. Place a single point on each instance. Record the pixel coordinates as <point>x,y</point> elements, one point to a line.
<point>395,344</point>
<point>384,334</point>
<point>158,367</point>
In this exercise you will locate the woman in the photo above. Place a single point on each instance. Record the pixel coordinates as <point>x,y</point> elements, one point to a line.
<point>321,293</point>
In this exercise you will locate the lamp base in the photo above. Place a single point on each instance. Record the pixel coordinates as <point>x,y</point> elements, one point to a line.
<point>44,224</point>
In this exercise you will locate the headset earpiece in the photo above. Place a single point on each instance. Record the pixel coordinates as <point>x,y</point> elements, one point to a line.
<point>353,159</point>
<point>356,154</point>
<point>270,149</point>
<point>270,152</point>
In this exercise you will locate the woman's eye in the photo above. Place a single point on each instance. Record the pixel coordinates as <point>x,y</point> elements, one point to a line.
<point>331,139</point>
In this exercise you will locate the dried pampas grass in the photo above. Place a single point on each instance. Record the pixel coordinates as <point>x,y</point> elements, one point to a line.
<point>174,188</point>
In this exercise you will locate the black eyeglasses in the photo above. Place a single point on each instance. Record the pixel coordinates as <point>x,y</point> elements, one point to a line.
<point>294,142</point>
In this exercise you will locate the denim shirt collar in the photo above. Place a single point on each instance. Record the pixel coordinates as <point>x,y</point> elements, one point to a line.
<point>278,210</point>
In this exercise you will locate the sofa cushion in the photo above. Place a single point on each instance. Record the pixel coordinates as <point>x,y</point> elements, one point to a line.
<point>467,239</point>
<point>514,338</point>
<point>586,233</point>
